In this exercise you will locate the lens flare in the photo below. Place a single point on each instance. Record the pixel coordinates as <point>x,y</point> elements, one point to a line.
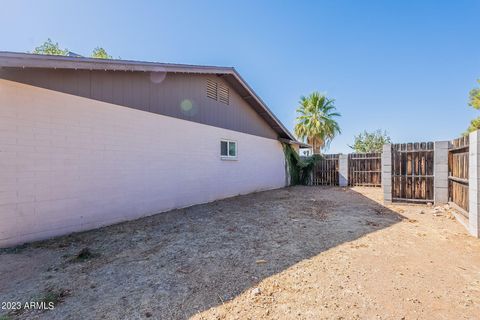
<point>188,107</point>
<point>158,75</point>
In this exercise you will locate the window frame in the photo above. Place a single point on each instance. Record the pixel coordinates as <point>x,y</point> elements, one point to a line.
<point>228,156</point>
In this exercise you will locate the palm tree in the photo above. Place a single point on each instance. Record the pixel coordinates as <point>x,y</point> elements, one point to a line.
<point>316,120</point>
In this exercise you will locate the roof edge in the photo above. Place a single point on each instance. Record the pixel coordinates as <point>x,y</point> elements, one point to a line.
<point>299,143</point>
<point>25,60</point>
<point>30,60</point>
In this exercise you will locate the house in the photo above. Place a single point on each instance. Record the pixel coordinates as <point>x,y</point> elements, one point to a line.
<point>305,152</point>
<point>87,142</point>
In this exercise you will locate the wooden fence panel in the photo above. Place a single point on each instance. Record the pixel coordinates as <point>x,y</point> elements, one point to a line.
<point>325,172</point>
<point>458,173</point>
<point>365,169</point>
<point>412,172</point>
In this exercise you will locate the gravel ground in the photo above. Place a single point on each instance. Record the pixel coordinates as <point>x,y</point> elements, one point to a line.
<point>293,253</point>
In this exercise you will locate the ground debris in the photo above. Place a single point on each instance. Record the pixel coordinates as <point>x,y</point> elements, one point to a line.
<point>84,255</point>
<point>371,223</point>
<point>255,292</point>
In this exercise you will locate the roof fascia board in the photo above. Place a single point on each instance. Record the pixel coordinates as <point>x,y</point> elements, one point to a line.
<point>19,60</point>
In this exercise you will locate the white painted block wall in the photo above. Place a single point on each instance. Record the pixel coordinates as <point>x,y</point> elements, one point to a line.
<point>387,173</point>
<point>69,163</point>
<point>474,184</point>
<point>343,170</point>
<point>440,172</point>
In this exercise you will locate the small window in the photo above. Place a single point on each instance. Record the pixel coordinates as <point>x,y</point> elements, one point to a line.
<point>232,149</point>
<point>228,149</point>
<point>224,148</point>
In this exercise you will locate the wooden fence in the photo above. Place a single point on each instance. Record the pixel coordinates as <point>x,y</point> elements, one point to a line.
<point>412,172</point>
<point>458,173</point>
<point>365,169</point>
<point>325,172</point>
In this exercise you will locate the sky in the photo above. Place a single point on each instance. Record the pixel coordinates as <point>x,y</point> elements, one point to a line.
<point>401,66</point>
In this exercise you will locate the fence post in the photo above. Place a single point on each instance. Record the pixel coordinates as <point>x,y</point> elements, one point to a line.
<point>343,170</point>
<point>387,173</point>
<point>473,184</point>
<point>440,172</point>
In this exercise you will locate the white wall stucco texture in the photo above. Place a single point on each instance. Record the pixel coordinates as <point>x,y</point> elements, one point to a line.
<point>69,163</point>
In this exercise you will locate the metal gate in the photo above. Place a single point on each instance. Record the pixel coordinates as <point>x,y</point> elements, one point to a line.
<point>412,172</point>
<point>365,169</point>
<point>458,174</point>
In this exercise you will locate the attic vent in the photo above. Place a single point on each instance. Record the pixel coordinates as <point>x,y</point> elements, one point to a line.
<point>223,94</point>
<point>212,87</point>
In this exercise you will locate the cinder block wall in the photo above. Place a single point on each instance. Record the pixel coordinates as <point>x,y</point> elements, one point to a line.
<point>440,172</point>
<point>473,184</point>
<point>69,163</point>
<point>343,170</point>
<point>387,173</point>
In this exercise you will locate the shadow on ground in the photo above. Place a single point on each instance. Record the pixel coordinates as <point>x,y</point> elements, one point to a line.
<point>177,264</point>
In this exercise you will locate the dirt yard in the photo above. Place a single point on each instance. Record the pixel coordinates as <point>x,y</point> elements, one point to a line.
<point>294,253</point>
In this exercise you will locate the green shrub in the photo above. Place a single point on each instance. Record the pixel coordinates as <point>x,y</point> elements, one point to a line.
<point>299,170</point>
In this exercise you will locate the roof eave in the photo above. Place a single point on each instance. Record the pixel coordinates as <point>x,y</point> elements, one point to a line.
<point>294,141</point>
<point>27,60</point>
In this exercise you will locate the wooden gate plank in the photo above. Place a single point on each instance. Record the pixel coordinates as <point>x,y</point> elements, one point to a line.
<point>364,169</point>
<point>458,158</point>
<point>412,172</point>
<point>325,172</point>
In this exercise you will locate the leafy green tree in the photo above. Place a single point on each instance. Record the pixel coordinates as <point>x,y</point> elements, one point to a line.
<point>316,120</point>
<point>474,126</point>
<point>474,101</point>
<point>366,142</point>
<point>100,53</point>
<point>50,47</point>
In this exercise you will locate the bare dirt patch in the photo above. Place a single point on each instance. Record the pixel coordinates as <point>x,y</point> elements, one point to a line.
<point>299,253</point>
